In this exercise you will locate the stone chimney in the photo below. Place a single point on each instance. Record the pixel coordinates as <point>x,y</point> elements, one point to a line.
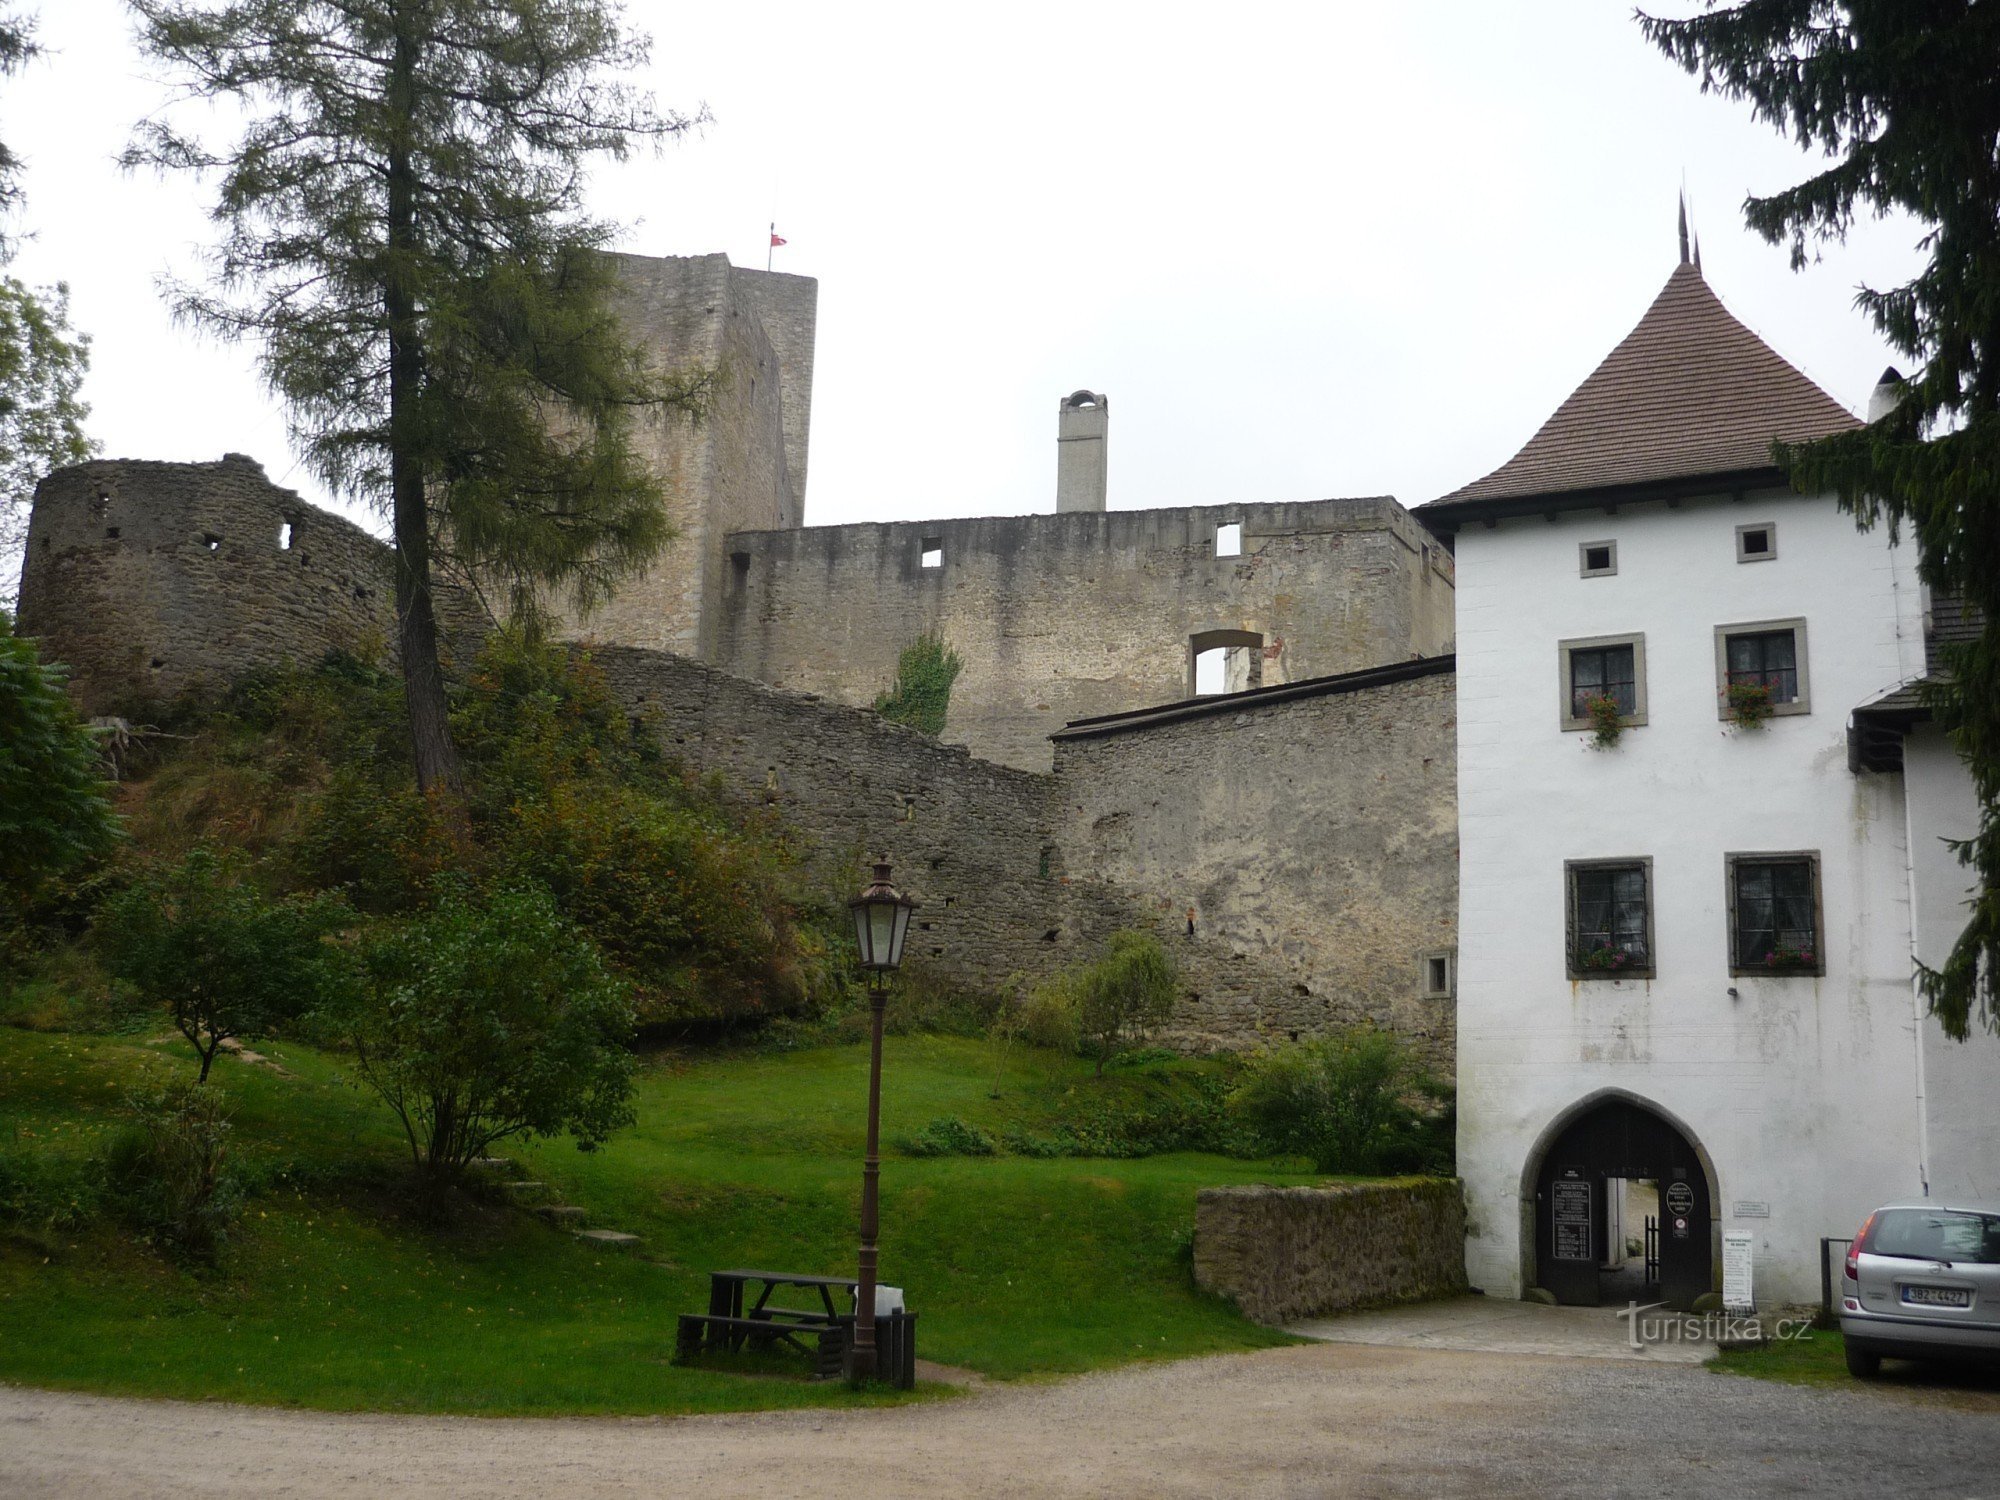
<point>1081,428</point>
<point>1886,396</point>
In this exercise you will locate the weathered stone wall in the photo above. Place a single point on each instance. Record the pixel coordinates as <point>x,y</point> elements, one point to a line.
<point>1008,893</point>
<point>1312,828</point>
<point>742,464</point>
<point>1064,617</point>
<point>1283,1254</point>
<point>154,580</point>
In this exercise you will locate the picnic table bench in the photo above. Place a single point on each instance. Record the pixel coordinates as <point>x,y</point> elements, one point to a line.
<point>821,1333</point>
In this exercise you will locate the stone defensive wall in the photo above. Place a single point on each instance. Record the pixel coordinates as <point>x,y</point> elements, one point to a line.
<point>157,580</point>
<point>1312,826</point>
<point>1308,826</point>
<point>1284,1254</point>
<point>1070,616</point>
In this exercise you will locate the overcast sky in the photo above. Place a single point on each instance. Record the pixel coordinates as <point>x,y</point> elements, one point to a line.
<point>1306,250</point>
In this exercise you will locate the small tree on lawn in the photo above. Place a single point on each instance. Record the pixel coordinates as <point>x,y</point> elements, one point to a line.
<point>1124,994</point>
<point>55,810</point>
<point>490,1018</point>
<point>222,959</point>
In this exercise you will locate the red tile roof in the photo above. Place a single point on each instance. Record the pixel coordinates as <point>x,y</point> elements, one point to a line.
<point>1690,391</point>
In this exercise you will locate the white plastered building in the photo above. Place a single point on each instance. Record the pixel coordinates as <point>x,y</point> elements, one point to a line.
<point>1685,956</point>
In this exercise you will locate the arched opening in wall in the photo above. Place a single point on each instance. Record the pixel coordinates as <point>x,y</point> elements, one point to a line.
<point>1224,661</point>
<point>1622,1202</point>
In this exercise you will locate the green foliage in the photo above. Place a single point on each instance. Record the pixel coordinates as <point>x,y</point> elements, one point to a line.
<point>164,1173</point>
<point>44,1193</point>
<point>948,1135</point>
<point>1749,703</point>
<point>921,698</point>
<point>1349,1103</point>
<point>1126,993</point>
<point>699,905</point>
<point>1049,1016</point>
<point>488,1018</point>
<point>1606,719</point>
<point>55,808</point>
<point>197,938</point>
<point>402,229</point>
<point>42,365</point>
<point>1900,98</point>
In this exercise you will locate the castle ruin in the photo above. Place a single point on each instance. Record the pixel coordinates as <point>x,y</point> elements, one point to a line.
<point>1230,724</point>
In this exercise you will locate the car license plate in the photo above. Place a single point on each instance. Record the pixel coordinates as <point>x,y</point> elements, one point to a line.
<point>1937,1296</point>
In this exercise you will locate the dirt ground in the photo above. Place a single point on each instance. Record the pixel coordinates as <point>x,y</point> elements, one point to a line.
<point>1325,1419</point>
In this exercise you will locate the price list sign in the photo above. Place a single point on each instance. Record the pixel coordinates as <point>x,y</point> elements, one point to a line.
<point>1571,1207</point>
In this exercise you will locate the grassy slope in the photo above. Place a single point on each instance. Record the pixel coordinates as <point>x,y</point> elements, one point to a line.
<point>328,1298</point>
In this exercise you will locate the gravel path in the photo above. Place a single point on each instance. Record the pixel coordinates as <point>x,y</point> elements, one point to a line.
<point>1326,1419</point>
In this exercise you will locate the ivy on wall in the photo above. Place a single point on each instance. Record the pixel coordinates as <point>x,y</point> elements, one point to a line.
<point>924,674</point>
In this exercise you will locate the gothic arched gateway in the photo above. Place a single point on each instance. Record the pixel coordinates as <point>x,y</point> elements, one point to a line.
<point>1621,1139</point>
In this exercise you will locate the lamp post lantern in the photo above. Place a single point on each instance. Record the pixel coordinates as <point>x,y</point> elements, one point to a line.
<point>881,922</point>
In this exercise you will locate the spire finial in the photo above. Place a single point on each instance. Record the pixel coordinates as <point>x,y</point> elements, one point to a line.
<point>1685,257</point>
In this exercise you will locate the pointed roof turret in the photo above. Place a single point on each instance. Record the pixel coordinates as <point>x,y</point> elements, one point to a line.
<point>1690,394</point>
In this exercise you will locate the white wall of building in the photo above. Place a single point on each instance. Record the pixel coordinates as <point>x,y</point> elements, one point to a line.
<point>1802,1091</point>
<point>1960,1080</point>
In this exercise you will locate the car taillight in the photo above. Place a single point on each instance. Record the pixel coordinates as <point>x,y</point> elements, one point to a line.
<point>1856,1246</point>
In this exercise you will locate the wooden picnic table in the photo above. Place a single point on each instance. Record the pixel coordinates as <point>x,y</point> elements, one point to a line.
<point>727,1292</point>
<point>822,1334</point>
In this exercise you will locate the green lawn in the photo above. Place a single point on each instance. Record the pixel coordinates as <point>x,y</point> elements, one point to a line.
<point>331,1297</point>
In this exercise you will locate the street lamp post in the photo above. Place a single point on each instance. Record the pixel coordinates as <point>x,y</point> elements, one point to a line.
<point>881,922</point>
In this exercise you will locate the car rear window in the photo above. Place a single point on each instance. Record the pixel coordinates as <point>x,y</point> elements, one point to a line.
<point>1936,1234</point>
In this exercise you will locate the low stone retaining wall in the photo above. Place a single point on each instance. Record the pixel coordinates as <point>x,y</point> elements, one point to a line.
<point>1282,1254</point>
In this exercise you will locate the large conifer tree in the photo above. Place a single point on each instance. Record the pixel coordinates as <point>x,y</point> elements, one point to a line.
<point>1903,98</point>
<point>402,229</point>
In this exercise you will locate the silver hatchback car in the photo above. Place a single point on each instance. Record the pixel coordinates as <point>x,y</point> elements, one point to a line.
<point>1922,1281</point>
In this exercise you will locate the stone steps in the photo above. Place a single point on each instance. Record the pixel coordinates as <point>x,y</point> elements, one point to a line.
<point>610,1239</point>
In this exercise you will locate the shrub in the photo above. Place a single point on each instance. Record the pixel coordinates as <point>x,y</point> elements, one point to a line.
<point>948,1135</point>
<point>1348,1102</point>
<point>487,1018</point>
<point>164,1173</point>
<point>921,697</point>
<point>1049,1016</point>
<point>1124,994</point>
<point>695,917</point>
<point>45,1192</point>
<point>198,939</point>
<point>55,810</point>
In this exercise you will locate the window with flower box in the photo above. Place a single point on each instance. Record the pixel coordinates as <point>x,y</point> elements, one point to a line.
<point>1767,660</point>
<point>1610,918</point>
<point>1774,914</point>
<point>1600,667</point>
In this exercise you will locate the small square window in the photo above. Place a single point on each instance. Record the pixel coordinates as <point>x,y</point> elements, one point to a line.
<point>1610,918</point>
<point>1440,973</point>
<point>1597,559</point>
<point>1604,666</point>
<point>932,549</point>
<point>1767,657</point>
<point>1229,540</point>
<point>1756,543</point>
<point>1774,914</point>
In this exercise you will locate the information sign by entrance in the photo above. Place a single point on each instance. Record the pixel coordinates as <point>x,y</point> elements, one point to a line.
<point>1680,1200</point>
<point>1736,1273</point>
<point>1570,1216</point>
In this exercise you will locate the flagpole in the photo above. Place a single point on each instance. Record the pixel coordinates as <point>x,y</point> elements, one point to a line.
<point>771,248</point>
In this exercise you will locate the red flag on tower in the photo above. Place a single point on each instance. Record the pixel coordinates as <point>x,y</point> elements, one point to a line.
<point>776,239</point>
